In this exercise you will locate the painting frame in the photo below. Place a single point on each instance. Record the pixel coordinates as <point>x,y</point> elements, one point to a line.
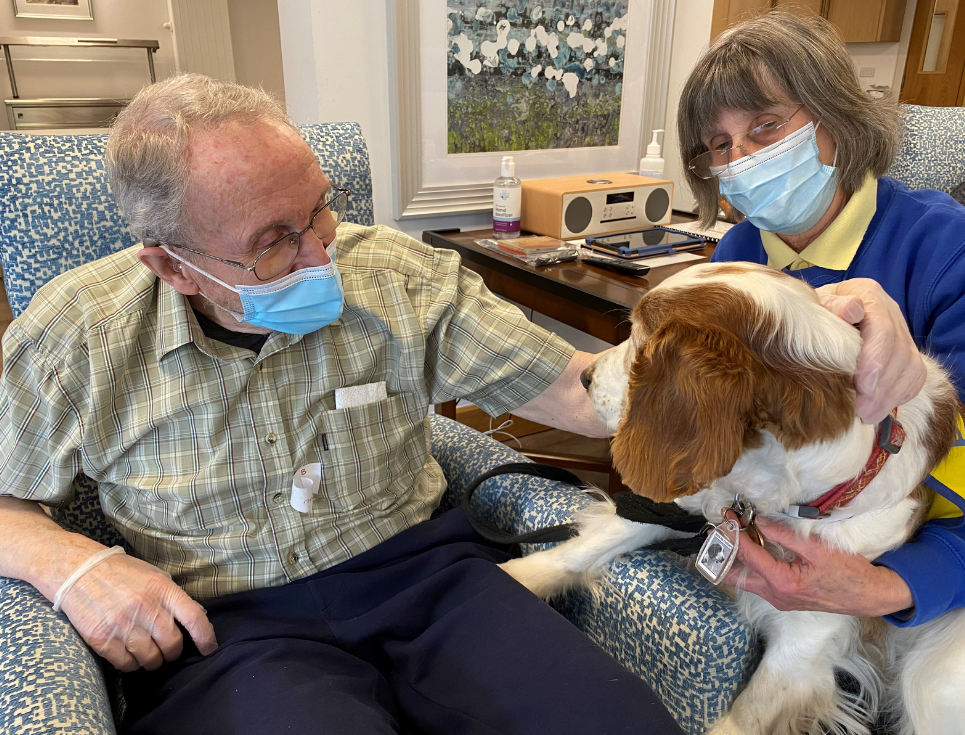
<point>53,11</point>
<point>470,190</point>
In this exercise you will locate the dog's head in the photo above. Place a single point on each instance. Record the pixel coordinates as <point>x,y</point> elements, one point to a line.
<point>718,354</point>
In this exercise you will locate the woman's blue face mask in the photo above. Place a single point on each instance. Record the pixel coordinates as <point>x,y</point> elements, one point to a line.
<point>782,188</point>
<point>300,303</point>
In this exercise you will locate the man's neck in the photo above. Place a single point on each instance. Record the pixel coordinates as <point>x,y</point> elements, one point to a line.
<point>221,317</point>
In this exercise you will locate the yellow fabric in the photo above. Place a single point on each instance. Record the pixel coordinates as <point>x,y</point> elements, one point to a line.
<point>834,248</point>
<point>951,473</point>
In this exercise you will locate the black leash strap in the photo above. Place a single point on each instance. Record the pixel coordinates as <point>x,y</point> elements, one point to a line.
<point>643,510</point>
<point>632,507</point>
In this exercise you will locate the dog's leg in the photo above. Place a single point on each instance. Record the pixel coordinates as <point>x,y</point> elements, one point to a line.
<point>793,691</point>
<point>603,536</point>
<point>930,676</point>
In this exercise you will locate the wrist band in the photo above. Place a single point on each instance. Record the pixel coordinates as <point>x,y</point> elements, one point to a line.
<point>80,571</point>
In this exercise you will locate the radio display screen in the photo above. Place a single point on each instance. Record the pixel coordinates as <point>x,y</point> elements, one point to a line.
<point>619,197</point>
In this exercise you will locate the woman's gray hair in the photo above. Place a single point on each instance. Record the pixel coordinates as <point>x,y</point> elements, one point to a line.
<point>781,58</point>
<point>147,150</point>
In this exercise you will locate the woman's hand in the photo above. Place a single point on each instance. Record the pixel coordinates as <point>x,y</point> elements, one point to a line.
<point>821,578</point>
<point>890,369</point>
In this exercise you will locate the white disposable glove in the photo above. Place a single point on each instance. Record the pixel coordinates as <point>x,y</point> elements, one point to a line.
<point>890,369</point>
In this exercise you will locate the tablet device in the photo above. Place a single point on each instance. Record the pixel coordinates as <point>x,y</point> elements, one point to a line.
<point>644,243</point>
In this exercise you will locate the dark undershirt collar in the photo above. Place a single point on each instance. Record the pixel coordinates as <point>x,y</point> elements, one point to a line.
<point>246,340</point>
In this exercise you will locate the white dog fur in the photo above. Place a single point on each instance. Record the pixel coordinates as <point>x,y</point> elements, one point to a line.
<point>921,674</point>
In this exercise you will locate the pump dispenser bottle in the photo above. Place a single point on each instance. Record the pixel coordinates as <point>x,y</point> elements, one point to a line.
<point>652,164</point>
<point>507,202</point>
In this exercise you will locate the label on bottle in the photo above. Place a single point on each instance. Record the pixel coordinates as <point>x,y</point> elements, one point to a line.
<point>507,203</point>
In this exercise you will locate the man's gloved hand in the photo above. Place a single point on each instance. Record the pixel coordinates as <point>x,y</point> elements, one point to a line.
<point>890,369</point>
<point>126,610</point>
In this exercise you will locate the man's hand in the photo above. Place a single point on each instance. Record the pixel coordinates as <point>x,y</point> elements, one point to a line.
<point>890,369</point>
<point>565,404</point>
<point>821,578</point>
<point>125,609</point>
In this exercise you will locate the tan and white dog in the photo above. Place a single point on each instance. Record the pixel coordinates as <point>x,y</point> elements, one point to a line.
<point>736,380</point>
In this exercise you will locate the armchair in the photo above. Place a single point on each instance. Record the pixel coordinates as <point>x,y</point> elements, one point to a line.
<point>655,616</point>
<point>932,152</point>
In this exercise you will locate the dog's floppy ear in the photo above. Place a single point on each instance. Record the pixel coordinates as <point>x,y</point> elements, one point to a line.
<point>690,403</point>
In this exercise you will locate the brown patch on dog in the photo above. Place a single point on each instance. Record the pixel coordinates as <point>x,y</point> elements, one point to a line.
<point>711,373</point>
<point>922,496</point>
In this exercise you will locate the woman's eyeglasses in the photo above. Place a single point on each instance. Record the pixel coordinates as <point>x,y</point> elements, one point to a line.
<point>769,132</point>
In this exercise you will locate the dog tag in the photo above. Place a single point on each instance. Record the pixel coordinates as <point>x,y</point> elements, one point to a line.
<point>717,555</point>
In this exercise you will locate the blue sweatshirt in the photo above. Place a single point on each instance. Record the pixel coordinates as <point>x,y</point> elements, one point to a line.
<point>915,248</point>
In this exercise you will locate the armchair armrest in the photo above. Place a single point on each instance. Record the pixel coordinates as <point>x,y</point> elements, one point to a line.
<point>516,503</point>
<point>51,681</point>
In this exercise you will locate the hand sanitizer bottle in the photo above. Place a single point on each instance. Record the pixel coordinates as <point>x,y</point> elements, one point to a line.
<point>507,202</point>
<point>652,164</point>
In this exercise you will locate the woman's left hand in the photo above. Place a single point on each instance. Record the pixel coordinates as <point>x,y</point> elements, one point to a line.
<point>821,578</point>
<point>890,370</point>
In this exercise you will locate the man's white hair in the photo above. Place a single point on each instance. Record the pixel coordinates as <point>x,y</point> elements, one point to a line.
<point>147,157</point>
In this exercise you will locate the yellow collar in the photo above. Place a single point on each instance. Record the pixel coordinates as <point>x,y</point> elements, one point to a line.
<point>834,248</point>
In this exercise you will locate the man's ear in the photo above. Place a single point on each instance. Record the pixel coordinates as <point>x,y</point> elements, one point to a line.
<point>166,268</point>
<point>689,407</point>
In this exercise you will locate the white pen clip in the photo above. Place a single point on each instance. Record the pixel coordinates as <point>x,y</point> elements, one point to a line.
<point>305,486</point>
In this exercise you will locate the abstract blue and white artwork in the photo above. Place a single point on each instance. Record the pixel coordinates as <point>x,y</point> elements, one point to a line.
<point>534,74</point>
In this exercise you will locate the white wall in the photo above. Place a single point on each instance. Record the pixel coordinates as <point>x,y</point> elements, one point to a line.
<point>256,45</point>
<point>887,59</point>
<point>109,72</point>
<point>691,38</point>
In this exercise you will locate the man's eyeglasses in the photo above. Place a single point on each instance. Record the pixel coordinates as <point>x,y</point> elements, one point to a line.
<point>711,163</point>
<point>277,257</point>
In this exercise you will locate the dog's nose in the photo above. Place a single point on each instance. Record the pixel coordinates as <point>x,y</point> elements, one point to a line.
<point>586,377</point>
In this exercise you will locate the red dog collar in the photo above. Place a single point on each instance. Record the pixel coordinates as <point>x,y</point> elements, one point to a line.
<point>888,440</point>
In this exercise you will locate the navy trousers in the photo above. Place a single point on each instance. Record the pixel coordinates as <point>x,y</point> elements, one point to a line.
<point>421,634</point>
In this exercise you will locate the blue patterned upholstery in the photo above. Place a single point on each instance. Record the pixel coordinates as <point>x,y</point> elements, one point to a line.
<point>56,211</point>
<point>656,616</point>
<point>932,153</point>
<point>51,682</point>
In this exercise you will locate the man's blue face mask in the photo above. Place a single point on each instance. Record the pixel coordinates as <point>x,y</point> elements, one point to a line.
<point>300,303</point>
<point>782,188</point>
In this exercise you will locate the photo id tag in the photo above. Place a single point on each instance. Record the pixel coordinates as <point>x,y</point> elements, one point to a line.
<point>717,554</point>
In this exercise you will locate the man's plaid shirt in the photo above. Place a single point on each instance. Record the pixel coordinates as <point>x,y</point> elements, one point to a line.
<point>194,443</point>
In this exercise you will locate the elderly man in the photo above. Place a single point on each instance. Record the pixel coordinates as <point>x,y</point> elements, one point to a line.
<point>212,382</point>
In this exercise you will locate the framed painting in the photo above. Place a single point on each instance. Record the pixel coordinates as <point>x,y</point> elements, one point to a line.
<point>59,9</point>
<point>565,86</point>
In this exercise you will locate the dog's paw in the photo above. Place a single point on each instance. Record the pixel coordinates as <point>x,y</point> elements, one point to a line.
<point>726,725</point>
<point>543,580</point>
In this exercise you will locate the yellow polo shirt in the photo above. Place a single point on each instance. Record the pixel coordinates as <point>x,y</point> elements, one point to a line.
<point>834,248</point>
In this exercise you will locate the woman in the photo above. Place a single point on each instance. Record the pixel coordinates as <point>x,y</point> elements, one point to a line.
<point>773,119</point>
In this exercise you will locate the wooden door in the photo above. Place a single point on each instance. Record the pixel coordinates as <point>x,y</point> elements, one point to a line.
<point>728,12</point>
<point>936,55</point>
<point>867,21</point>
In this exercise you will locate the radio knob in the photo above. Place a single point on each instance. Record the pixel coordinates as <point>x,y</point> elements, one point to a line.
<point>578,214</point>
